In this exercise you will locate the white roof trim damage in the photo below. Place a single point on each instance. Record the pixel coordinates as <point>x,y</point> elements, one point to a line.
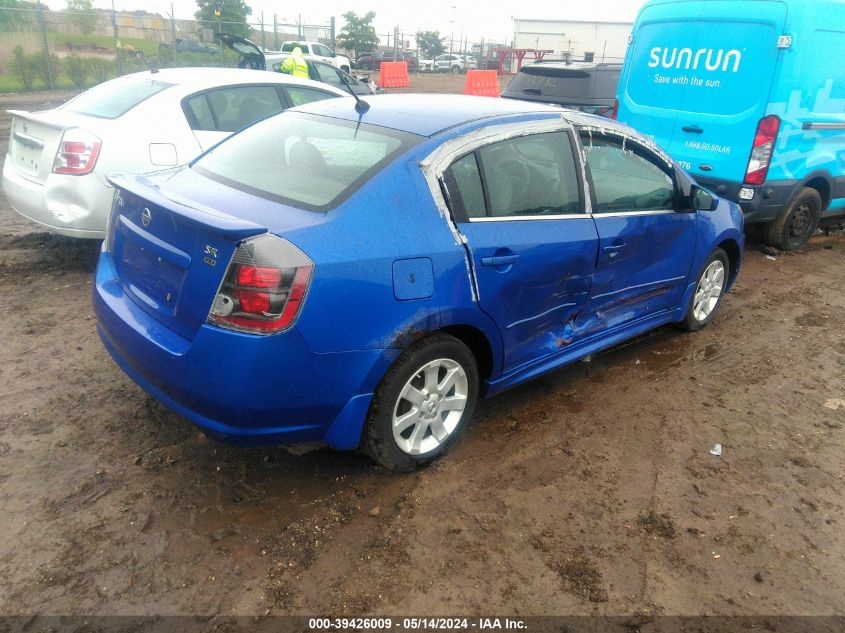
<point>439,160</point>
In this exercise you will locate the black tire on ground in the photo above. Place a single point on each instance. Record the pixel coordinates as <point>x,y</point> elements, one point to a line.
<point>797,222</point>
<point>345,69</point>
<point>378,441</point>
<point>691,322</point>
<point>455,69</point>
<point>365,66</point>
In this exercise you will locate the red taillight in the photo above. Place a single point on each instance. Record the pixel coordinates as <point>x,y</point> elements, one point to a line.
<point>259,277</point>
<point>264,287</point>
<point>761,151</point>
<point>615,109</point>
<point>78,152</point>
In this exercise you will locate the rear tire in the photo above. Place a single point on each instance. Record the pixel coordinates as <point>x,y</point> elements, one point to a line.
<point>455,69</point>
<point>710,287</point>
<point>423,404</point>
<point>797,222</point>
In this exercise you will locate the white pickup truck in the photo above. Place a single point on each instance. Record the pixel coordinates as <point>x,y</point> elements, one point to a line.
<point>310,50</point>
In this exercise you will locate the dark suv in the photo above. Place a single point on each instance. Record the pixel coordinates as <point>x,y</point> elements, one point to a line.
<point>372,61</point>
<point>188,46</point>
<point>586,87</point>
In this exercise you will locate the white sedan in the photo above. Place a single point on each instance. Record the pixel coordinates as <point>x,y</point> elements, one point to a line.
<point>55,170</point>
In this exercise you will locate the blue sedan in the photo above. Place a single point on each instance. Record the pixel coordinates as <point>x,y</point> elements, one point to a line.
<point>361,276</point>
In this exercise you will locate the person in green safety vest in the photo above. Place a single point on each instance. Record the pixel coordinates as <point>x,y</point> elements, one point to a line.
<point>295,64</point>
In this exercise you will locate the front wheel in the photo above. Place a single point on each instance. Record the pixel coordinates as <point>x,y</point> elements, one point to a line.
<point>798,221</point>
<point>423,403</point>
<point>709,290</point>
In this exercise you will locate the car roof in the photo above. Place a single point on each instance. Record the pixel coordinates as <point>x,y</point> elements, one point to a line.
<point>426,114</point>
<point>199,78</point>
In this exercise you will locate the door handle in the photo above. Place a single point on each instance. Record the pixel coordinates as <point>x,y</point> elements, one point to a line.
<point>499,260</point>
<point>613,249</point>
<point>692,129</point>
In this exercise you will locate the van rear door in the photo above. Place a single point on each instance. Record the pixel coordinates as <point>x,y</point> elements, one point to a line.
<point>701,86</point>
<point>729,82</point>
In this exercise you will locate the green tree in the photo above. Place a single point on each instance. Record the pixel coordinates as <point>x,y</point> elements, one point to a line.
<point>231,19</point>
<point>358,34</point>
<point>83,15</point>
<point>431,43</point>
<point>21,67</point>
<point>76,69</point>
<point>15,15</point>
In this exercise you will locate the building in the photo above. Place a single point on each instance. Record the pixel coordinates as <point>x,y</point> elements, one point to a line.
<point>577,40</point>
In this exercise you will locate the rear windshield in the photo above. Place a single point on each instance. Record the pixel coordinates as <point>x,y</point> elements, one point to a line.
<point>308,161</point>
<point>115,98</point>
<point>573,83</point>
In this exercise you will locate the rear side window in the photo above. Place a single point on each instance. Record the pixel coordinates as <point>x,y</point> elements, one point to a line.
<point>115,98</point>
<point>309,161</point>
<point>327,73</point>
<point>288,48</point>
<point>625,180</point>
<point>524,176</point>
<point>230,109</point>
<point>531,175</point>
<point>299,95</point>
<point>464,187</point>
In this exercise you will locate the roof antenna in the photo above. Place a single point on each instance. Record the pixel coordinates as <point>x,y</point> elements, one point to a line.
<point>361,106</point>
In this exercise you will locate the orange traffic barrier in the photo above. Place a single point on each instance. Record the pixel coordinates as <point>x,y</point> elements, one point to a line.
<point>394,75</point>
<point>484,83</point>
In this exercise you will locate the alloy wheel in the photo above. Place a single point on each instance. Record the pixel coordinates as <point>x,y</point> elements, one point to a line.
<point>430,406</point>
<point>709,289</point>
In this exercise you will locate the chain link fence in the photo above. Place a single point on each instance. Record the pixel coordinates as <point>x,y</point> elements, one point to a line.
<point>42,49</point>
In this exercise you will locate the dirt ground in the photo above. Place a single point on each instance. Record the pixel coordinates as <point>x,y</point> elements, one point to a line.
<point>589,491</point>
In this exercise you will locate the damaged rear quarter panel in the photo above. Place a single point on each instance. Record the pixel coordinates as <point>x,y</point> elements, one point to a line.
<point>351,304</point>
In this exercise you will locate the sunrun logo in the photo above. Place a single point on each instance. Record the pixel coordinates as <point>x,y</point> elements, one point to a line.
<point>686,59</point>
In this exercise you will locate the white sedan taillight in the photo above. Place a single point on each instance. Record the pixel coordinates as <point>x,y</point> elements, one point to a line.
<point>264,287</point>
<point>78,152</point>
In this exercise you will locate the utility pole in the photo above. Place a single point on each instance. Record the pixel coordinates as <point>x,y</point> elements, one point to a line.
<point>45,45</point>
<point>263,42</point>
<point>275,31</point>
<point>117,60</point>
<point>173,33</point>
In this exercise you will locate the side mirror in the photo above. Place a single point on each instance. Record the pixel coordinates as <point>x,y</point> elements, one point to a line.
<point>702,200</point>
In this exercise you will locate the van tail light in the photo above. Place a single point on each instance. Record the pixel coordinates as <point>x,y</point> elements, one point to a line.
<point>761,151</point>
<point>264,287</point>
<point>77,154</point>
<point>615,109</point>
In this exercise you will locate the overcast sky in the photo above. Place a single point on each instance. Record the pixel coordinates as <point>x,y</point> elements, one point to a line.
<point>491,20</point>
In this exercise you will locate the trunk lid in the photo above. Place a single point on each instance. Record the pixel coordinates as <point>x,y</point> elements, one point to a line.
<point>34,139</point>
<point>171,244</point>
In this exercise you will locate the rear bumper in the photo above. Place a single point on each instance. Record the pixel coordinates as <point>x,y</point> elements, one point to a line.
<point>238,387</point>
<point>766,202</point>
<point>76,206</point>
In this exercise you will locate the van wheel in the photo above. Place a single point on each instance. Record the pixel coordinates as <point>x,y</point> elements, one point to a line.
<point>798,221</point>
<point>709,290</point>
<point>423,403</point>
